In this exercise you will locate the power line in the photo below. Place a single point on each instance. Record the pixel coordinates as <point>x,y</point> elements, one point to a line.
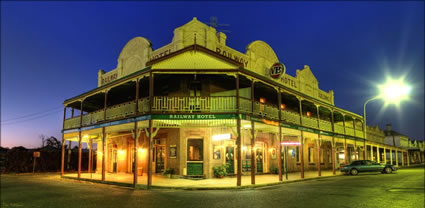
<point>42,112</point>
<point>15,122</point>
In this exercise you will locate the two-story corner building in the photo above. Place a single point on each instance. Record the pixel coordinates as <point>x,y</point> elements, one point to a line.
<point>397,139</point>
<point>196,103</point>
<point>416,151</point>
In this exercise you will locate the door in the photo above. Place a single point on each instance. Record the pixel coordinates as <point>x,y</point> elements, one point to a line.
<point>259,158</point>
<point>159,159</point>
<point>195,157</point>
<point>114,160</point>
<point>230,160</point>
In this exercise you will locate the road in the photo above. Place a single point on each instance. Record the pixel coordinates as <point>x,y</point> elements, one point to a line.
<point>405,188</point>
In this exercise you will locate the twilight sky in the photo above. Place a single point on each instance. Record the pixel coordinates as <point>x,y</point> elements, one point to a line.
<point>51,51</point>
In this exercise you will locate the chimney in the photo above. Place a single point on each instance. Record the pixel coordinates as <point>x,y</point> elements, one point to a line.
<point>222,38</point>
<point>388,127</point>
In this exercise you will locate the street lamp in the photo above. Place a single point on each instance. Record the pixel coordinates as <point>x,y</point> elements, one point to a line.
<point>393,91</point>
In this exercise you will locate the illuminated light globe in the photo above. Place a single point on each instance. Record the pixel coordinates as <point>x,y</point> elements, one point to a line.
<point>394,91</point>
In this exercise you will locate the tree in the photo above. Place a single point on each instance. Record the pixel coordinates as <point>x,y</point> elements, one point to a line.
<point>43,139</point>
<point>53,142</point>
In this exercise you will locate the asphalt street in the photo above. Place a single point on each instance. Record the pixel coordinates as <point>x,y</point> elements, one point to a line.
<point>404,188</point>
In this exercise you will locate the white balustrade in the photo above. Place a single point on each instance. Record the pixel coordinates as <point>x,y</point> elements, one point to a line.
<point>194,104</point>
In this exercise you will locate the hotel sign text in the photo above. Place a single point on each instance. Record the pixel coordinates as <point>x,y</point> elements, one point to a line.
<point>228,54</point>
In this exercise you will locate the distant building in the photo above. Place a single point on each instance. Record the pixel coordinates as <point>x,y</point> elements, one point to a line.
<point>415,149</point>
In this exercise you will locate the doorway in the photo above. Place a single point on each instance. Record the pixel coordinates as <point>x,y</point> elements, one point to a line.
<point>259,156</point>
<point>195,157</point>
<point>230,160</point>
<point>159,158</point>
<point>113,160</point>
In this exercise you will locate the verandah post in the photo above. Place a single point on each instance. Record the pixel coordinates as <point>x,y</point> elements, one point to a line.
<point>238,142</point>
<point>79,154</point>
<point>135,165</point>
<point>279,149</point>
<point>103,152</point>
<point>253,161</point>
<point>63,155</point>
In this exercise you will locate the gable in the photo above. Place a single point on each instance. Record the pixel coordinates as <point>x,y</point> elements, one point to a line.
<point>193,59</point>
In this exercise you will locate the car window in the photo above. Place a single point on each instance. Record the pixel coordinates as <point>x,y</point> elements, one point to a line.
<point>369,162</point>
<point>356,163</point>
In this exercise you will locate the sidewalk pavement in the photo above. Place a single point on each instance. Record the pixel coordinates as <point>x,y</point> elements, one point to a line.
<point>228,182</point>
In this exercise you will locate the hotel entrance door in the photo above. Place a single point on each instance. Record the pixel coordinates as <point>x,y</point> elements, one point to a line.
<point>112,152</point>
<point>159,158</point>
<point>259,158</point>
<point>230,160</point>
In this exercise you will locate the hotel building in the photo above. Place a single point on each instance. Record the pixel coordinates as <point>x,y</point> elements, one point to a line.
<point>196,103</point>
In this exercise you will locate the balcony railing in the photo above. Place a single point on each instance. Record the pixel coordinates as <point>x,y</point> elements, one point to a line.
<point>72,122</point>
<point>86,119</point>
<point>349,131</point>
<point>143,105</point>
<point>245,105</point>
<point>266,110</point>
<point>194,104</point>
<point>291,117</point>
<point>220,104</point>
<point>359,133</point>
<point>338,128</point>
<point>310,122</point>
<point>120,110</point>
<point>325,125</point>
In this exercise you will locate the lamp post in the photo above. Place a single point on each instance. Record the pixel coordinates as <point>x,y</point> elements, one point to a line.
<point>393,91</point>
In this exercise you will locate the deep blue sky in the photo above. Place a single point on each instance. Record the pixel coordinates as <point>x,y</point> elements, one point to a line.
<point>52,51</point>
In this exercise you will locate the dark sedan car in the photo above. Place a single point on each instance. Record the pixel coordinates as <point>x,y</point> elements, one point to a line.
<point>360,166</point>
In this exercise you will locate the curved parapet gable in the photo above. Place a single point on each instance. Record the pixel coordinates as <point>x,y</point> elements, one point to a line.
<point>132,58</point>
<point>259,58</point>
<point>262,57</point>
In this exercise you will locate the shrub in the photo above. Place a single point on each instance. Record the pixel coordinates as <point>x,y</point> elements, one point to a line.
<point>168,171</point>
<point>220,170</point>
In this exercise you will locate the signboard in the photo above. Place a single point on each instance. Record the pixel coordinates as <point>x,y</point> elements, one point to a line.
<point>109,77</point>
<point>194,116</point>
<point>173,151</point>
<point>36,154</point>
<point>233,54</point>
<point>277,70</point>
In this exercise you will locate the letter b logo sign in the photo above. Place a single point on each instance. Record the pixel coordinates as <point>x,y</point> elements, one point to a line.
<point>276,70</point>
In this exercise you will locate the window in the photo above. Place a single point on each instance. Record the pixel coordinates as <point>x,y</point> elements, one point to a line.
<point>311,154</point>
<point>356,163</point>
<point>194,149</point>
<point>217,152</point>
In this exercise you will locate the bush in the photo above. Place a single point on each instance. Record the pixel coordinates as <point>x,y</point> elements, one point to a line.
<point>220,171</point>
<point>274,170</point>
<point>168,171</point>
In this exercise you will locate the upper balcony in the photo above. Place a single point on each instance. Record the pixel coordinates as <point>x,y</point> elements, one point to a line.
<point>206,94</point>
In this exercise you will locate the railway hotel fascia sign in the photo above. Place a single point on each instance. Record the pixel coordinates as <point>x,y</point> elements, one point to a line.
<point>233,54</point>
